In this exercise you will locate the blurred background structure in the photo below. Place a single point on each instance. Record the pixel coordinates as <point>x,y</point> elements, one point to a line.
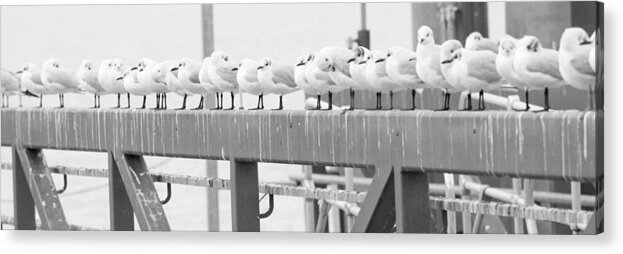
<point>281,31</point>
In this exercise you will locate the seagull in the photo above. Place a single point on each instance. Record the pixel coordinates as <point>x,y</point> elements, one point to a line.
<point>9,86</point>
<point>188,75</point>
<point>475,41</point>
<point>427,64</point>
<point>591,53</point>
<point>220,71</point>
<point>573,59</point>
<point>31,80</point>
<point>473,69</point>
<point>151,76</point>
<point>358,68</point>
<point>171,69</point>
<point>87,77</point>
<point>247,77</point>
<point>377,77</point>
<point>446,58</point>
<point>401,69</point>
<point>58,80</point>
<point>109,76</point>
<point>538,66</point>
<point>278,75</point>
<point>335,61</point>
<point>118,70</point>
<point>206,81</point>
<point>504,62</point>
<point>131,84</point>
<point>321,81</point>
<point>301,79</point>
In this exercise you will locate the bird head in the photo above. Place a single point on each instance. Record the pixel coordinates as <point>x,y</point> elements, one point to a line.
<point>86,64</point>
<point>144,63</point>
<point>219,58</point>
<point>51,63</point>
<point>265,64</point>
<point>159,76</point>
<point>448,48</point>
<point>472,40</point>
<point>30,67</point>
<point>528,44</point>
<point>324,61</point>
<point>506,46</point>
<point>378,56</point>
<point>574,37</point>
<point>117,63</point>
<point>302,60</point>
<point>425,35</point>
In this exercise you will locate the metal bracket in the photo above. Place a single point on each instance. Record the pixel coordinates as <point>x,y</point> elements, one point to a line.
<point>169,193</point>
<point>64,185</point>
<point>271,206</point>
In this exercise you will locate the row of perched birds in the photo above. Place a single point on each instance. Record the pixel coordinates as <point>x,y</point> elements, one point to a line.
<point>479,66</point>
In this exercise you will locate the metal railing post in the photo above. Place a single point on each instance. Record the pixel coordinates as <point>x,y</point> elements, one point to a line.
<point>121,211</point>
<point>245,208</point>
<point>23,203</point>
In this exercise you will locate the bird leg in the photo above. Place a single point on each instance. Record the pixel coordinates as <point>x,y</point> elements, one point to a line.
<point>118,101</point>
<point>391,100</point>
<point>94,101</point>
<point>446,101</point>
<point>318,98</point>
<point>481,100</point>
<point>379,103</point>
<point>217,103</point>
<point>60,100</point>
<point>128,94</point>
<point>330,101</point>
<point>41,101</point>
<point>144,102</point>
<point>280,103</point>
<point>469,102</point>
<point>352,100</point>
<point>164,101</point>
<point>184,102</point>
<point>157,101</point>
<point>99,101</point>
<point>262,98</point>
<point>546,108</point>
<point>200,106</point>
<point>413,94</point>
<point>259,103</point>
<point>232,102</point>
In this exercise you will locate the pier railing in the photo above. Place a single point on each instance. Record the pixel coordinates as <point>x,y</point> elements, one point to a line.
<point>401,146</point>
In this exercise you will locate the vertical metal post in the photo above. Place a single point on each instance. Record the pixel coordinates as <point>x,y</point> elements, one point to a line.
<point>23,203</point>
<point>517,222</point>
<point>121,211</point>
<point>528,186</point>
<point>412,202</point>
<point>310,214</point>
<point>576,202</point>
<point>349,186</point>
<point>363,35</point>
<point>207,28</point>
<point>244,196</point>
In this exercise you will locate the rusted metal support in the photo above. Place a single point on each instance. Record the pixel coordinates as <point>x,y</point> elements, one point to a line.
<point>494,143</point>
<point>141,192</point>
<point>121,212</point>
<point>412,210</point>
<point>42,189</point>
<point>23,204</point>
<point>378,213</point>
<point>245,207</point>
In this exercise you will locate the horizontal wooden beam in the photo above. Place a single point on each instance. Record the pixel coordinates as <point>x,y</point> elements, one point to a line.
<point>553,145</point>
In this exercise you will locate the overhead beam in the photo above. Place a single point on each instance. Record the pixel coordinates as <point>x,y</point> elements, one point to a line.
<point>42,189</point>
<point>550,145</point>
<point>141,192</point>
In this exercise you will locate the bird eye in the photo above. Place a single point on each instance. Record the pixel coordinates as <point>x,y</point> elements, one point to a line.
<point>326,59</point>
<point>225,58</point>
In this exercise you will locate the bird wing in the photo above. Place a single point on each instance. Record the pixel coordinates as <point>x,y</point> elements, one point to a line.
<point>62,77</point>
<point>379,69</point>
<point>481,65</point>
<point>580,61</point>
<point>407,68</point>
<point>91,79</point>
<point>250,75</point>
<point>546,63</point>
<point>342,65</point>
<point>488,44</point>
<point>226,74</point>
<point>36,78</point>
<point>194,74</point>
<point>283,74</point>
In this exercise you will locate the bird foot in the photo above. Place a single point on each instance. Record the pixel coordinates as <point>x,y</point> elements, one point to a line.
<point>255,109</point>
<point>180,108</point>
<point>446,109</point>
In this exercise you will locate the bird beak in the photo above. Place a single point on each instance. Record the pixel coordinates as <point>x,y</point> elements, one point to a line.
<point>133,68</point>
<point>350,60</point>
<point>120,78</point>
<point>363,62</point>
<point>584,42</point>
<point>175,69</point>
<point>299,64</point>
<point>446,61</point>
<point>260,67</point>
<point>421,40</point>
<point>412,59</point>
<point>380,60</point>
<point>20,72</point>
<point>234,69</point>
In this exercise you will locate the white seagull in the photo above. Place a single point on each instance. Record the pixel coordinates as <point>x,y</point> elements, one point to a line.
<point>278,75</point>
<point>31,80</point>
<point>87,77</point>
<point>475,41</point>
<point>321,81</point>
<point>58,80</point>
<point>401,64</point>
<point>591,53</point>
<point>538,66</point>
<point>335,61</point>
<point>377,77</point>
<point>9,85</point>
<point>206,81</point>
<point>301,79</point>
<point>171,69</point>
<point>427,64</point>
<point>188,75</point>
<point>573,59</point>
<point>131,84</point>
<point>110,77</point>
<point>151,76</point>
<point>222,75</point>
<point>504,62</point>
<point>247,77</point>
